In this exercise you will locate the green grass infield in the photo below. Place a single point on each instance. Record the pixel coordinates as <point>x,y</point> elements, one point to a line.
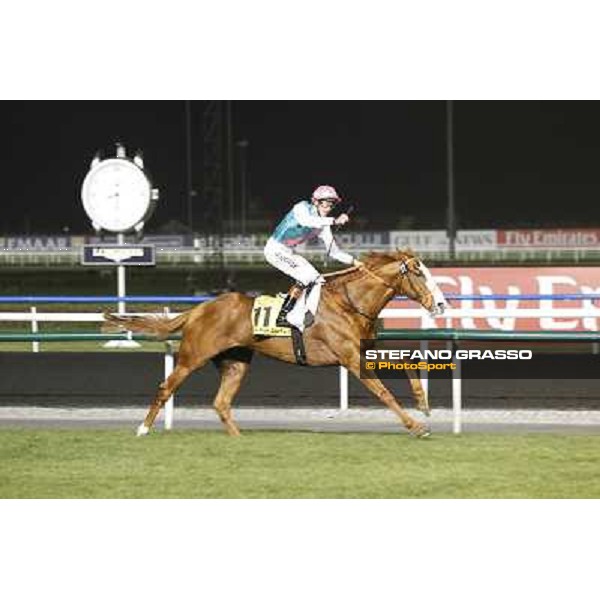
<point>66,463</point>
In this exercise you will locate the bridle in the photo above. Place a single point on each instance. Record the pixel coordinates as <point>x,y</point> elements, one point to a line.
<point>404,273</point>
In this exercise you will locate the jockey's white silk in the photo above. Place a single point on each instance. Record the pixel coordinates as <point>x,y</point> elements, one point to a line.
<point>305,305</point>
<point>289,262</point>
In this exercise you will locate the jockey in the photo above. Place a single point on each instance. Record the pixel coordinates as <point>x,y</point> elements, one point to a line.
<point>306,220</point>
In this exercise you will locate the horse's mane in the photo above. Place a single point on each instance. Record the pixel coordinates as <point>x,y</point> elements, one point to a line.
<point>376,259</point>
<point>372,261</point>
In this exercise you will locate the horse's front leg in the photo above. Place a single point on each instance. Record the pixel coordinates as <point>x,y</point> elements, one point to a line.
<point>418,392</point>
<point>375,385</point>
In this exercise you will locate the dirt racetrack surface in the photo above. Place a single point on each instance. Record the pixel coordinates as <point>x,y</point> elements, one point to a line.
<point>121,379</point>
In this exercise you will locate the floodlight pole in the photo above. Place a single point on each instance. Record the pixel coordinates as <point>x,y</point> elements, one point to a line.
<point>230,184</point>
<point>243,146</point>
<point>188,164</point>
<point>451,211</point>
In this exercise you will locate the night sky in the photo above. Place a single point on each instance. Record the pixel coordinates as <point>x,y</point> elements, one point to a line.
<point>519,163</point>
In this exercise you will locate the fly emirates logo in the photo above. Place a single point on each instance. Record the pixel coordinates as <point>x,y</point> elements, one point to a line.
<point>516,283</point>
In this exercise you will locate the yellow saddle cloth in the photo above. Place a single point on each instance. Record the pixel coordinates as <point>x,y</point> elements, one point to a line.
<point>264,315</point>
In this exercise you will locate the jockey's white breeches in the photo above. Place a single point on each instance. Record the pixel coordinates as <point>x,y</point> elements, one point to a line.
<point>290,263</point>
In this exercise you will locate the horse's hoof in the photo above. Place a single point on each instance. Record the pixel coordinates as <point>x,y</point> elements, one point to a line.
<point>142,430</point>
<point>421,431</point>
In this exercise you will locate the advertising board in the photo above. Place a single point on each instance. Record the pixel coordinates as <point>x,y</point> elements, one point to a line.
<point>514,281</point>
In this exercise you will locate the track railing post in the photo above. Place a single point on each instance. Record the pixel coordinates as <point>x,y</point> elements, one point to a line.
<point>169,366</point>
<point>34,329</point>
<point>424,375</point>
<point>457,398</point>
<point>343,388</point>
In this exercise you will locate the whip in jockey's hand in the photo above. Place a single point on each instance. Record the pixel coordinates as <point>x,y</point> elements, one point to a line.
<point>342,219</point>
<point>306,220</point>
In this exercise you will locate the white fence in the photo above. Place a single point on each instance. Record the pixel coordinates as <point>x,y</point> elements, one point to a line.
<point>589,312</point>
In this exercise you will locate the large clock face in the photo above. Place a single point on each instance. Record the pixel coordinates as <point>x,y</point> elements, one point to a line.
<point>116,194</point>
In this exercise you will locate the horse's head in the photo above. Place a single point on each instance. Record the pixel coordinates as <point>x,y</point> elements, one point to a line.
<point>406,274</point>
<point>440,304</point>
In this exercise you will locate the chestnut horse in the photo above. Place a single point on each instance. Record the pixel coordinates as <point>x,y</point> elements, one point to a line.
<point>350,303</point>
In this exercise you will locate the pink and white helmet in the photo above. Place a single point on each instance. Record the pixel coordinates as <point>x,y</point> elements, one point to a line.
<point>325,192</point>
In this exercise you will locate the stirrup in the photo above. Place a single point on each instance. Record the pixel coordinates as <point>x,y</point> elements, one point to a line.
<point>282,321</point>
<point>286,307</point>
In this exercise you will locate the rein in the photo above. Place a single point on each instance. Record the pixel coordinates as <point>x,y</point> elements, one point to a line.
<point>377,277</point>
<point>372,274</point>
<point>361,268</point>
<point>347,293</point>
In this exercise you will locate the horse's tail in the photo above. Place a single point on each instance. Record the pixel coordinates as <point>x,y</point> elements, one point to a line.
<point>158,325</point>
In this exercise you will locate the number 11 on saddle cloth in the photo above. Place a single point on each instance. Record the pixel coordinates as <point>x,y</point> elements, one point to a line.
<point>266,308</point>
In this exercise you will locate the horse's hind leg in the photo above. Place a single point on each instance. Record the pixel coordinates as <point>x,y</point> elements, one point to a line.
<point>165,390</point>
<point>232,373</point>
<point>188,360</point>
<point>418,392</point>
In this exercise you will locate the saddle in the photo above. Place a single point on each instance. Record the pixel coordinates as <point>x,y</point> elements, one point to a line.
<point>265,311</point>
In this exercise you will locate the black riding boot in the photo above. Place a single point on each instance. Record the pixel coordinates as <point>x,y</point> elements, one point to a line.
<point>288,304</point>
